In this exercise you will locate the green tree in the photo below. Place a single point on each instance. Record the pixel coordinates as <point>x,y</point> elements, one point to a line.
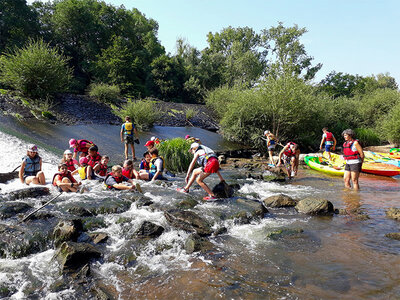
<point>390,125</point>
<point>339,84</point>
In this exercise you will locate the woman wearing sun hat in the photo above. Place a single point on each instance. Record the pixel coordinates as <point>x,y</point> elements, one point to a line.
<point>31,167</point>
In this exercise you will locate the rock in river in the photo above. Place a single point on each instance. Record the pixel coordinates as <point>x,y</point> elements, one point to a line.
<point>393,213</point>
<point>188,221</point>
<point>10,209</point>
<point>31,192</point>
<point>148,229</point>
<point>315,206</point>
<point>67,230</point>
<point>280,200</point>
<point>72,255</point>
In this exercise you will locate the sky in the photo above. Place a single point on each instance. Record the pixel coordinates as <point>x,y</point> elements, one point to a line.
<point>350,36</point>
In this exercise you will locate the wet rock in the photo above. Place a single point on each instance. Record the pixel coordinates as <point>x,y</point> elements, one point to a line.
<point>42,215</point>
<point>280,200</point>
<point>67,230</point>
<point>393,235</point>
<point>6,291</point>
<point>223,190</point>
<point>144,201</point>
<point>148,229</point>
<point>274,235</point>
<point>92,223</point>
<point>256,208</point>
<point>4,177</point>
<point>32,192</point>
<point>241,153</point>
<point>257,176</point>
<point>393,213</point>
<point>315,206</point>
<point>98,237</point>
<point>113,207</point>
<point>355,213</point>
<point>242,218</point>
<point>220,230</point>
<point>188,221</point>
<point>196,243</point>
<point>79,211</point>
<point>274,177</point>
<point>10,209</point>
<point>73,255</point>
<point>187,203</point>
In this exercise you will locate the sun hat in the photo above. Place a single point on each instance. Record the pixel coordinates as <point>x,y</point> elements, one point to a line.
<point>187,137</point>
<point>194,145</point>
<point>32,148</point>
<point>67,152</point>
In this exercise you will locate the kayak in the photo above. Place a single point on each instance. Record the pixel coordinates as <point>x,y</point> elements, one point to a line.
<point>375,168</point>
<point>322,165</point>
<point>378,157</point>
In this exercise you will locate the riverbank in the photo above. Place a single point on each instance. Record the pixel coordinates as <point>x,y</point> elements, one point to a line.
<point>70,109</point>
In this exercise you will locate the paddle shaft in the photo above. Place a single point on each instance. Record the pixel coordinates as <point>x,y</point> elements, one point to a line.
<point>48,202</point>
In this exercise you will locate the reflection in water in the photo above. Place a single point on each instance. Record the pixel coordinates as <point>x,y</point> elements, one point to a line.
<point>351,200</point>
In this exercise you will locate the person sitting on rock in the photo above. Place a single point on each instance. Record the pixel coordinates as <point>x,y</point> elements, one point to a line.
<point>81,146</point>
<point>69,160</point>
<point>144,166</point>
<point>208,162</point>
<point>115,181</point>
<point>93,159</point>
<point>31,167</point>
<point>64,180</point>
<point>290,156</point>
<point>100,169</point>
<point>129,171</point>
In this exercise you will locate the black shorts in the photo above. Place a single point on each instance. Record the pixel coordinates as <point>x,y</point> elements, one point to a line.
<point>129,139</point>
<point>353,167</point>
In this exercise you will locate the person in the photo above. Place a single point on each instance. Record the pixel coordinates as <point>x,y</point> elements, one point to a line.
<point>156,168</point>
<point>93,159</point>
<point>100,169</point>
<point>290,156</point>
<point>271,144</point>
<point>208,162</point>
<point>127,133</point>
<point>330,142</point>
<point>115,179</point>
<point>31,167</point>
<point>64,180</point>
<point>129,171</point>
<point>81,146</point>
<point>192,139</point>
<point>145,163</point>
<point>354,157</point>
<point>156,140</point>
<point>69,160</point>
<point>149,145</point>
<point>82,170</point>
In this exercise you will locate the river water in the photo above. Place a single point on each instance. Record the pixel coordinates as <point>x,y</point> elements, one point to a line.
<point>337,257</point>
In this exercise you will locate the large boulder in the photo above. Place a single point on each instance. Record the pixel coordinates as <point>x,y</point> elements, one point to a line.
<point>223,190</point>
<point>315,206</point>
<point>4,177</point>
<point>31,192</point>
<point>149,230</point>
<point>196,243</point>
<point>256,208</point>
<point>280,200</point>
<point>67,230</point>
<point>187,203</point>
<point>393,213</point>
<point>10,209</point>
<point>188,221</point>
<point>73,255</point>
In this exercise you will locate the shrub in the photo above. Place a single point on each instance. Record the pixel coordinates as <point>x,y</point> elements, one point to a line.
<point>176,155</point>
<point>142,113</point>
<point>105,92</point>
<point>36,70</point>
<point>219,99</point>
<point>367,136</point>
<point>390,125</point>
<point>190,113</point>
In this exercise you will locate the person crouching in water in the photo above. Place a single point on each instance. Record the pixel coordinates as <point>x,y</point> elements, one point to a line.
<point>206,158</point>
<point>31,167</point>
<point>290,155</point>
<point>115,181</point>
<point>354,156</point>
<point>64,180</point>
<point>329,140</point>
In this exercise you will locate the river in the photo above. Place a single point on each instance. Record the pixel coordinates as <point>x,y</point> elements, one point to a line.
<point>337,257</point>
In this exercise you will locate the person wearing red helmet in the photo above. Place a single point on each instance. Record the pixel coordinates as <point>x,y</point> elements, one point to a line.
<point>80,146</point>
<point>149,145</point>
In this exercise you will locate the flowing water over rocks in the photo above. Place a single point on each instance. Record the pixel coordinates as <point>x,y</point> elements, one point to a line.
<point>263,242</point>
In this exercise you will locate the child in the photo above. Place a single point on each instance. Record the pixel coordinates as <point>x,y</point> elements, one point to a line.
<point>80,146</point>
<point>128,170</point>
<point>290,155</point>
<point>69,160</point>
<point>115,179</point>
<point>330,141</point>
<point>31,167</point>
<point>149,145</point>
<point>144,166</point>
<point>156,167</point>
<point>208,161</point>
<point>82,170</point>
<point>127,131</point>
<point>93,159</point>
<point>271,143</point>
<point>100,169</point>
<point>64,181</point>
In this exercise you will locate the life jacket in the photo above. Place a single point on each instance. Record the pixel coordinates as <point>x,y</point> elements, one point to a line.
<point>329,136</point>
<point>153,167</point>
<point>63,175</point>
<point>289,152</point>
<point>32,165</point>
<point>348,153</point>
<point>128,128</point>
<point>103,170</point>
<point>93,160</point>
<point>70,164</point>
<point>203,158</point>
<point>144,165</point>
<point>126,173</point>
<point>117,179</point>
<point>80,148</point>
<point>82,172</point>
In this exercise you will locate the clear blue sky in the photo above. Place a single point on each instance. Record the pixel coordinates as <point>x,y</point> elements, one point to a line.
<point>350,36</point>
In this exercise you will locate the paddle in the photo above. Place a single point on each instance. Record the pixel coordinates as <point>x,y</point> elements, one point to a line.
<point>15,169</point>
<point>48,202</point>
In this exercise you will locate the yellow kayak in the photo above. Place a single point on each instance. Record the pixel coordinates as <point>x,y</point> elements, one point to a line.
<point>323,165</point>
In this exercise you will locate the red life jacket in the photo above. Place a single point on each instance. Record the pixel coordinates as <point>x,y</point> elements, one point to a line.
<point>70,164</point>
<point>63,175</point>
<point>144,165</point>
<point>117,179</point>
<point>85,149</point>
<point>103,170</point>
<point>289,152</point>
<point>348,153</point>
<point>126,173</point>
<point>93,160</point>
<point>329,136</point>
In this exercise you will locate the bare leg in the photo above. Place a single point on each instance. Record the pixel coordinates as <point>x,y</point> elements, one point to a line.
<point>346,178</point>
<point>220,176</point>
<point>133,151</point>
<point>135,174</point>
<point>41,178</point>
<point>271,159</point>
<point>205,187</point>
<point>68,188</point>
<point>354,179</point>
<point>126,151</point>
<point>195,173</point>
<point>89,172</point>
<point>29,180</point>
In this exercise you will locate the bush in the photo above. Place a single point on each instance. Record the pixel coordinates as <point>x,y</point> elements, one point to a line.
<point>176,155</point>
<point>219,99</point>
<point>36,70</point>
<point>390,125</point>
<point>142,113</point>
<point>367,136</point>
<point>105,92</point>
<point>190,113</point>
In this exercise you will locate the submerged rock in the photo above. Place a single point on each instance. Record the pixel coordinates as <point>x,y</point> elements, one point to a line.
<point>73,255</point>
<point>67,230</point>
<point>79,211</point>
<point>196,243</point>
<point>10,209</point>
<point>393,213</point>
<point>283,232</point>
<point>280,200</point>
<point>188,221</point>
<point>223,190</point>
<point>32,192</point>
<point>242,218</point>
<point>393,235</point>
<point>98,237</point>
<point>4,177</point>
<point>187,203</point>
<point>257,209</point>
<point>148,229</point>
<point>315,206</point>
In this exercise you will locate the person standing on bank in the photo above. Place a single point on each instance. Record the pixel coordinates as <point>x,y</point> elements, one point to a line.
<point>31,167</point>
<point>127,133</point>
<point>354,156</point>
